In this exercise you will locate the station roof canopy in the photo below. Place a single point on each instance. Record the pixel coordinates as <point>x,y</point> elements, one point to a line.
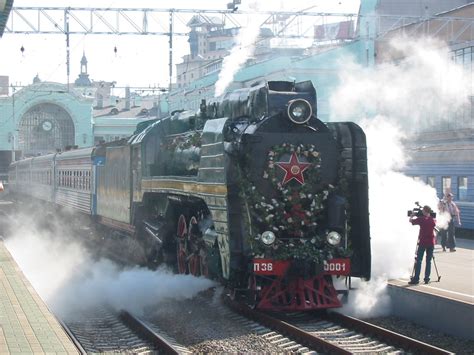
<point>5,8</point>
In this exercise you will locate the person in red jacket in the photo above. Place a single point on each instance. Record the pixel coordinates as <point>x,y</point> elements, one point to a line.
<point>426,242</point>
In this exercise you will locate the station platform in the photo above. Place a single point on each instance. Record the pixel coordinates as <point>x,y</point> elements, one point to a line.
<point>447,305</point>
<point>456,270</point>
<point>26,324</point>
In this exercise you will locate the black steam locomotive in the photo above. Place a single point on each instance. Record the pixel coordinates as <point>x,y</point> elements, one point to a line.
<point>253,190</point>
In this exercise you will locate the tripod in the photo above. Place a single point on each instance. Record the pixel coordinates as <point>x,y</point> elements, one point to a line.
<point>414,265</point>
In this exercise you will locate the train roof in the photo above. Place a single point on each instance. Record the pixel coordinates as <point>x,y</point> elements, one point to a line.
<point>178,122</point>
<point>140,135</point>
<point>76,153</point>
<point>22,161</point>
<point>441,153</point>
<point>46,157</point>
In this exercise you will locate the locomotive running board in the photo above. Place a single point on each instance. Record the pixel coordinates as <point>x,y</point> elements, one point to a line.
<point>299,295</point>
<point>116,224</point>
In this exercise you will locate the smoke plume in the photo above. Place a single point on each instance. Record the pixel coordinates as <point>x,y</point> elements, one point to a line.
<point>241,51</point>
<point>390,102</point>
<point>71,281</point>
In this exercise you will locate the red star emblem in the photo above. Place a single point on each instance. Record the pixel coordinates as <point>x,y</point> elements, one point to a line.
<point>293,169</point>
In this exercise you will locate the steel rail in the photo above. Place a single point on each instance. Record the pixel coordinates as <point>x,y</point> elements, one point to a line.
<point>305,338</point>
<point>73,338</point>
<point>149,334</point>
<point>393,338</point>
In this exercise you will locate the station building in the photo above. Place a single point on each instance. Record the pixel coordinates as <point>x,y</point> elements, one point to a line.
<point>47,117</point>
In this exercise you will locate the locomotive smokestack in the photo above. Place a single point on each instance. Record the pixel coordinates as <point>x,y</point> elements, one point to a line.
<point>203,108</point>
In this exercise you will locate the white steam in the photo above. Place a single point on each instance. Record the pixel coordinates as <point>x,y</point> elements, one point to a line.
<point>134,289</point>
<point>390,101</point>
<point>47,262</point>
<point>71,282</point>
<point>241,51</point>
<point>418,92</point>
<point>391,194</point>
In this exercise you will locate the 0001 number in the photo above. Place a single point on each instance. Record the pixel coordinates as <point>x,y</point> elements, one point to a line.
<point>338,266</point>
<point>334,267</point>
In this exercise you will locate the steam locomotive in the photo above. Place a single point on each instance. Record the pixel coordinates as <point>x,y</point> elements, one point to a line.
<point>253,190</point>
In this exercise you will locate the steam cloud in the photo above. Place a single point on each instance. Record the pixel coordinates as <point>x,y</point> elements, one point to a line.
<point>391,102</point>
<point>70,281</point>
<point>241,51</point>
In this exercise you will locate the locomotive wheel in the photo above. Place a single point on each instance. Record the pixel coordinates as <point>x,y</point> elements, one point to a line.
<point>194,265</point>
<point>198,258</point>
<point>198,264</point>
<point>181,253</point>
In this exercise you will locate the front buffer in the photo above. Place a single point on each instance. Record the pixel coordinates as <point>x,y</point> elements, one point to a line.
<point>283,285</point>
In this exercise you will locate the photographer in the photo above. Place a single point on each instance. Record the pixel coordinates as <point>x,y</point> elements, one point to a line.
<point>426,242</point>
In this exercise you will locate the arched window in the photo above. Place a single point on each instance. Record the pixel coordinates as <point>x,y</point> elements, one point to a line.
<point>44,128</point>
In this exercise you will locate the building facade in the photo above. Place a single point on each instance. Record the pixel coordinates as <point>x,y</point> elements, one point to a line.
<point>47,117</point>
<point>43,118</point>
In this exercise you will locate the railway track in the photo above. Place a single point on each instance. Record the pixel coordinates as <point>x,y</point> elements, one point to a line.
<point>330,333</point>
<point>106,331</point>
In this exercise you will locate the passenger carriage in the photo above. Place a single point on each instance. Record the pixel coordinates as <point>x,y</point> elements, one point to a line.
<point>74,179</point>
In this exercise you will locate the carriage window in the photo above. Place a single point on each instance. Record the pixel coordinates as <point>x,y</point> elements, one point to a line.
<point>446,180</point>
<point>431,181</point>
<point>462,188</point>
<point>88,181</point>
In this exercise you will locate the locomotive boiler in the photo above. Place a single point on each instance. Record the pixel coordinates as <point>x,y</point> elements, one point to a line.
<point>253,190</point>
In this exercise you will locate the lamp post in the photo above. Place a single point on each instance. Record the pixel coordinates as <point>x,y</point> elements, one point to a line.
<point>13,147</point>
<point>14,124</point>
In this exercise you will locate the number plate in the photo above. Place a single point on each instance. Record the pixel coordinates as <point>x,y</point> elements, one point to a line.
<point>338,267</point>
<point>270,267</point>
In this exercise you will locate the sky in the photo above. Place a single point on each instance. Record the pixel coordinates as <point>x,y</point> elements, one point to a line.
<point>140,61</point>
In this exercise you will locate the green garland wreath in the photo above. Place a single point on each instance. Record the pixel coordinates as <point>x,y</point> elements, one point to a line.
<point>180,154</point>
<point>296,210</point>
<point>182,142</point>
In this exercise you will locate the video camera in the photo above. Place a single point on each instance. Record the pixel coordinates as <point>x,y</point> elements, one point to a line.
<point>418,211</point>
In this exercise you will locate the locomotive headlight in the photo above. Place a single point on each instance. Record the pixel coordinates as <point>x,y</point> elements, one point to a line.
<point>299,111</point>
<point>334,238</point>
<point>268,238</point>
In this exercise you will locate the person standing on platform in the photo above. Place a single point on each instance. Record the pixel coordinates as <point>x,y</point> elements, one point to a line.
<point>453,210</point>
<point>443,232</point>
<point>426,242</point>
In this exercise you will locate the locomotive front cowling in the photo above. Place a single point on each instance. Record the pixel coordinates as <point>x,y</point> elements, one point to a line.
<point>297,232</point>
